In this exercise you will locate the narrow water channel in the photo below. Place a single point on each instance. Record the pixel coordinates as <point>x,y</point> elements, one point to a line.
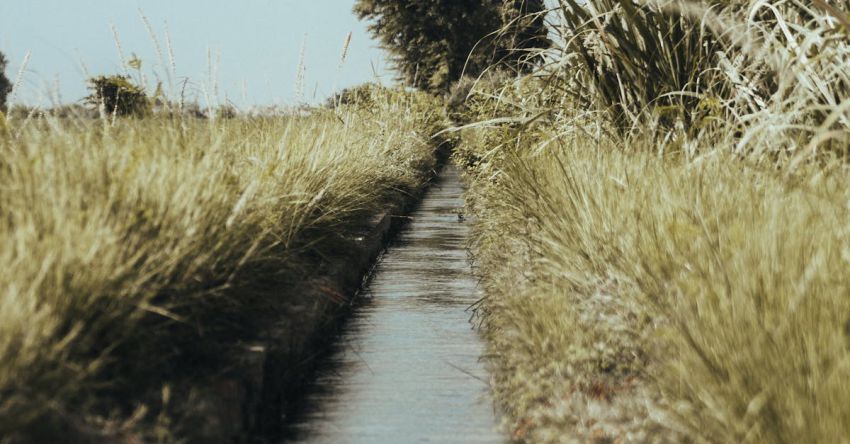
<point>407,365</point>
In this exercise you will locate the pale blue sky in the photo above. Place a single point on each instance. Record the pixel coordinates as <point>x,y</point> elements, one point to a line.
<point>259,42</point>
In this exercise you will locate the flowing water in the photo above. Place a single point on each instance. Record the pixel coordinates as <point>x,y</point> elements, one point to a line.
<point>407,365</point>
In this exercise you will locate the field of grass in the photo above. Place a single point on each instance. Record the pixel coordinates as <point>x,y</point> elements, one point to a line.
<point>130,244</point>
<point>661,219</point>
<point>661,226</point>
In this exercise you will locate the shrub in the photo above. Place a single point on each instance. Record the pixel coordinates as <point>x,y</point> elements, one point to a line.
<point>433,43</point>
<point>355,95</point>
<point>118,95</point>
<point>227,112</point>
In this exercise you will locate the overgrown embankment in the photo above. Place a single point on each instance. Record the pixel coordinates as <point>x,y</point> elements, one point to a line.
<point>630,294</point>
<point>138,252</point>
<point>661,232</point>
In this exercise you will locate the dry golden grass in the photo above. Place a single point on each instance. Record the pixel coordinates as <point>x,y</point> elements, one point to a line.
<point>113,232</point>
<point>637,296</point>
<point>661,227</point>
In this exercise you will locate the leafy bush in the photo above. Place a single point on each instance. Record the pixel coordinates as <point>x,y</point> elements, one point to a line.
<point>227,112</point>
<point>118,95</point>
<point>355,95</point>
<point>434,42</point>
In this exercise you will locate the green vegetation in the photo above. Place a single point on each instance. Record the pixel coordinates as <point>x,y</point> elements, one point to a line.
<point>659,197</point>
<point>138,250</point>
<point>435,42</point>
<point>661,225</point>
<point>118,95</point>
<point>5,84</point>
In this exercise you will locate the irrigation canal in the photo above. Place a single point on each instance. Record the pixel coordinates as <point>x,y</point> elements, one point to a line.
<point>406,367</point>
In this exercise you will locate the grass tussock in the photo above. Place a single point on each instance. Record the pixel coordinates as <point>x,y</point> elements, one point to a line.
<point>661,225</point>
<point>126,242</point>
<point>708,291</point>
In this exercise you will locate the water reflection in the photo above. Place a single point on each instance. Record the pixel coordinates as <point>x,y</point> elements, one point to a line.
<point>406,368</point>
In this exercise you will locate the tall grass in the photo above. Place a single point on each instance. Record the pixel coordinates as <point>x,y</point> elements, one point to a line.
<point>119,238</point>
<point>715,283</point>
<point>632,57</point>
<point>661,225</point>
<point>754,68</point>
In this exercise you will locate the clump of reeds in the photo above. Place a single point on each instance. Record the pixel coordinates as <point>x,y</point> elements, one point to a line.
<point>756,69</point>
<point>662,222</point>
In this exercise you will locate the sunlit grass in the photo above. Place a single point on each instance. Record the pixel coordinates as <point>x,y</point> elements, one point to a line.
<point>114,231</point>
<point>714,282</point>
<point>661,229</point>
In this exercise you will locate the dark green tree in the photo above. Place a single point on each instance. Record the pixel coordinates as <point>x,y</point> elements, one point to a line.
<point>434,42</point>
<point>523,33</point>
<point>5,84</point>
<point>118,95</point>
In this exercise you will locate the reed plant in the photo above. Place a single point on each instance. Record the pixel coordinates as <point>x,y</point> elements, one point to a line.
<point>661,224</point>
<point>756,68</point>
<point>647,298</point>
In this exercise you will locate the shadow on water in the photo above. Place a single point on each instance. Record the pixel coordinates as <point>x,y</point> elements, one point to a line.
<point>406,366</point>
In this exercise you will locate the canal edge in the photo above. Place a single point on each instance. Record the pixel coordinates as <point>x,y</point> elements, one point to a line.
<point>249,403</point>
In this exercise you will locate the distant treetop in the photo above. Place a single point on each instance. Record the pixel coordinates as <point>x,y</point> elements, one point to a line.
<point>118,95</point>
<point>434,42</point>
